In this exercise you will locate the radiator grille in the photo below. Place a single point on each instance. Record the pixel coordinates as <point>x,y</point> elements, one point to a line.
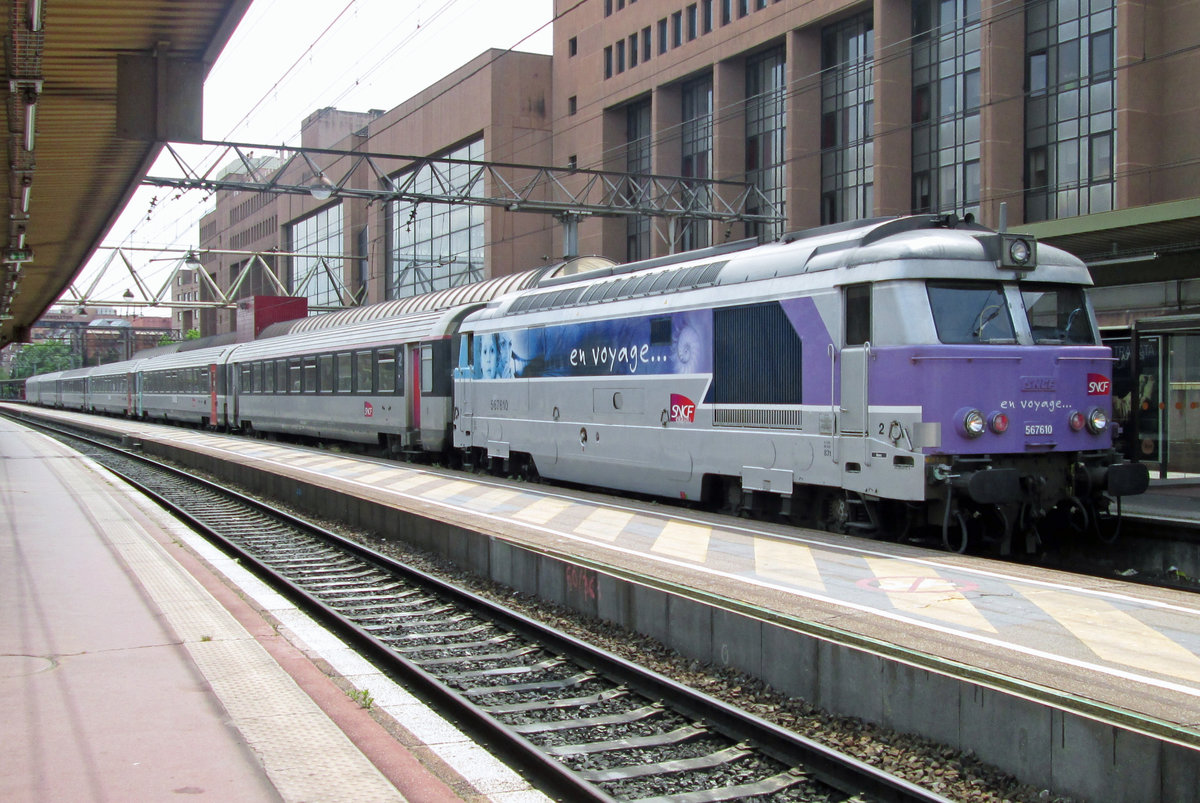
<point>757,417</point>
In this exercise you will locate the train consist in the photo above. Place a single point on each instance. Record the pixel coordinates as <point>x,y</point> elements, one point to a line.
<point>896,378</point>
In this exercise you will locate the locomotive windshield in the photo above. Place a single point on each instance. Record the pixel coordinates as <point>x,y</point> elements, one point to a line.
<point>971,312</point>
<point>1058,314</point>
<point>979,312</point>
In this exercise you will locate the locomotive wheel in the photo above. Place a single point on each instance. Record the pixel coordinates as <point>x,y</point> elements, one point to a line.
<point>835,512</point>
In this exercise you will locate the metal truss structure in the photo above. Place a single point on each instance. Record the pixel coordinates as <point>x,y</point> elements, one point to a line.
<point>184,259</point>
<point>569,194</point>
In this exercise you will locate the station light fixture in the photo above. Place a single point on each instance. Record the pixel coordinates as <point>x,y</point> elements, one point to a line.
<point>321,188</point>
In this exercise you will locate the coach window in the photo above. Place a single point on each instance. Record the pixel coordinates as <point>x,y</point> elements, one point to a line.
<point>364,379</point>
<point>246,383</point>
<point>310,375</point>
<point>345,373</point>
<point>426,369</point>
<point>295,375</point>
<point>858,314</point>
<point>385,363</point>
<point>325,373</point>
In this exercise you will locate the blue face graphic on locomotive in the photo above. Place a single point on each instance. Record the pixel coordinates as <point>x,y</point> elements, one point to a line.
<point>661,344</point>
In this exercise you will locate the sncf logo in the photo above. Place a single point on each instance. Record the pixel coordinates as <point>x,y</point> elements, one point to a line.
<point>682,408</point>
<point>1099,385</point>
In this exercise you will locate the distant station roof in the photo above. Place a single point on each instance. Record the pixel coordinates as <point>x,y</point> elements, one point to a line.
<point>66,191</point>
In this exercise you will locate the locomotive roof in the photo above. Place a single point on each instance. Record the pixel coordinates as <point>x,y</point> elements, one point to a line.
<point>917,247</point>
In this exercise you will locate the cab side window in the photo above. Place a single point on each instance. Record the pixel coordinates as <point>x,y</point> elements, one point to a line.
<point>858,314</point>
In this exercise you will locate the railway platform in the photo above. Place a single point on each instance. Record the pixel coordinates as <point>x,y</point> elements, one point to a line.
<point>130,670</point>
<point>1088,686</point>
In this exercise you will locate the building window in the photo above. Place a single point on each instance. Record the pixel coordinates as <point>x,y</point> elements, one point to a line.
<point>766,123</point>
<point>946,103</point>
<point>677,29</point>
<point>318,273</point>
<point>706,16</point>
<point>1070,111</point>
<point>847,120</point>
<point>572,105</point>
<point>696,142</point>
<point>621,56</point>
<point>646,43</point>
<point>438,246</point>
<point>637,161</point>
<point>608,62</point>
<point>573,46</point>
<point>662,36</point>
<point>693,22</point>
<point>633,51</point>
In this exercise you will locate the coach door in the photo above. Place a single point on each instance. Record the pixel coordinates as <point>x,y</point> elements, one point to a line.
<point>212,394</point>
<point>415,359</point>
<point>853,416</point>
<point>463,393</point>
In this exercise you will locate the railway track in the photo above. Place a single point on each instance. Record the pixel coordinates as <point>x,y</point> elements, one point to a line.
<point>580,723</point>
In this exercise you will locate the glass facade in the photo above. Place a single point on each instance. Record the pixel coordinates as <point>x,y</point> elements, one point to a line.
<point>848,120</point>
<point>1070,102</point>
<point>696,132</point>
<point>945,106</point>
<point>437,246</point>
<point>311,276</point>
<point>766,130</point>
<point>637,160</point>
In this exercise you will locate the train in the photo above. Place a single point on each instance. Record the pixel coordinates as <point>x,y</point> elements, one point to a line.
<point>918,377</point>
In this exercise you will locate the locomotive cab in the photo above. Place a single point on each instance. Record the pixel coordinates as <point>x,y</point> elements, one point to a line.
<point>1002,357</point>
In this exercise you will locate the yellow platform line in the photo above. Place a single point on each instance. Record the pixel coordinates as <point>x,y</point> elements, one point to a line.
<point>542,510</point>
<point>411,481</point>
<point>790,563</point>
<point>375,476</point>
<point>445,490</point>
<point>493,499</point>
<point>604,523</point>
<point>1115,635</point>
<point>685,541</point>
<point>922,591</point>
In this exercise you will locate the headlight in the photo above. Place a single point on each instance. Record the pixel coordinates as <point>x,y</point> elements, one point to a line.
<point>1018,252</point>
<point>973,423</point>
<point>1097,421</point>
<point>998,423</point>
<point>1076,421</point>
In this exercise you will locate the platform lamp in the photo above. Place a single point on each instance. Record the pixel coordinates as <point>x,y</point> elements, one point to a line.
<point>321,188</point>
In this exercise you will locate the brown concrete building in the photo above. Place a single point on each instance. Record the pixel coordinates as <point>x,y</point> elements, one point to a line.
<point>1077,117</point>
<point>495,108</point>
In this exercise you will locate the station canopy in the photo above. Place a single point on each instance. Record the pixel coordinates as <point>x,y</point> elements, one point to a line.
<point>86,122</point>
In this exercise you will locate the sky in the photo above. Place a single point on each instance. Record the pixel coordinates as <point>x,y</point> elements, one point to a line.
<point>289,58</point>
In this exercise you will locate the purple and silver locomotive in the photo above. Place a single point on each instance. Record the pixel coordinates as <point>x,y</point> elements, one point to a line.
<point>896,377</point>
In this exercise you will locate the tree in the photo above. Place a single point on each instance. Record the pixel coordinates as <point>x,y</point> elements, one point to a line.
<point>42,358</point>
<point>191,334</point>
